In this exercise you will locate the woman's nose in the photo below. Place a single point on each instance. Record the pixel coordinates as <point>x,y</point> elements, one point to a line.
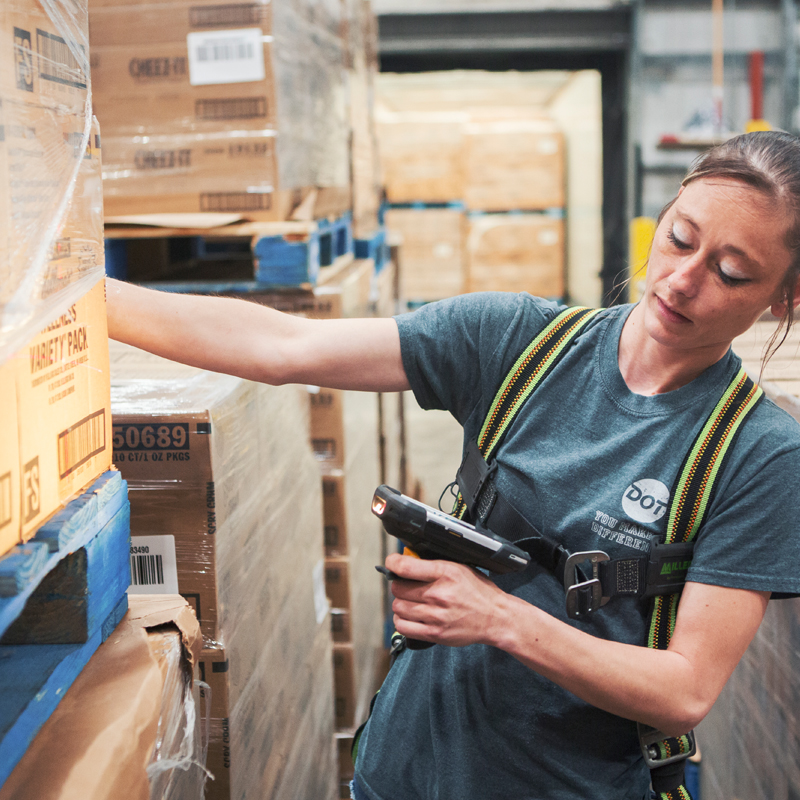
<point>687,276</point>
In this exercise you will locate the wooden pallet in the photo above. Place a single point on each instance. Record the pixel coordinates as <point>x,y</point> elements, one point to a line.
<point>65,592</point>
<point>274,254</point>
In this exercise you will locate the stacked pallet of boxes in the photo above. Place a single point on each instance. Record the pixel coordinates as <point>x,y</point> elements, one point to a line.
<point>55,451</point>
<point>362,49</point>
<point>64,513</point>
<point>221,106</point>
<point>748,739</point>
<point>53,353</point>
<point>476,179</point>
<point>226,509</point>
<point>345,438</point>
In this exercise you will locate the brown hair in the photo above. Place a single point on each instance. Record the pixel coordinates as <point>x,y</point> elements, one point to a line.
<point>769,161</point>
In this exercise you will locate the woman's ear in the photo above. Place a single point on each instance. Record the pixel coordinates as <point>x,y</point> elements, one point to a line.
<point>779,309</point>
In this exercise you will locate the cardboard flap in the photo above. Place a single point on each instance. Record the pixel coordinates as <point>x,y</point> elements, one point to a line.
<point>154,610</point>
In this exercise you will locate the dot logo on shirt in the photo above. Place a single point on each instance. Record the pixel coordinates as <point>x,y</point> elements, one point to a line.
<point>645,500</point>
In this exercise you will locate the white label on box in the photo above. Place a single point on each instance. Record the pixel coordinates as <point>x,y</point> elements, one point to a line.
<point>235,56</point>
<point>154,569</point>
<point>320,598</point>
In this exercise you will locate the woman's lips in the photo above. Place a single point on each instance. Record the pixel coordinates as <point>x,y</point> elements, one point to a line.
<point>669,313</point>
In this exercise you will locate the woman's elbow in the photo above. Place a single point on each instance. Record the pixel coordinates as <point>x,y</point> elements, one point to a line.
<point>684,715</point>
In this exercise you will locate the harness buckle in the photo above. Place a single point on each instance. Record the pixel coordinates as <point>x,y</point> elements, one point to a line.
<point>649,739</point>
<point>583,596</point>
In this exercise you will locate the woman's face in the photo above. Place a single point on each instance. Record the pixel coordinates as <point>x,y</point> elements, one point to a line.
<point>717,263</point>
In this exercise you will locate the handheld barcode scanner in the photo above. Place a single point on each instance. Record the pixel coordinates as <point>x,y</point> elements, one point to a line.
<point>429,533</point>
<point>432,534</point>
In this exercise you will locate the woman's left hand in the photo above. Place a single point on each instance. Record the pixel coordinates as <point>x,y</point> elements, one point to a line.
<point>443,602</point>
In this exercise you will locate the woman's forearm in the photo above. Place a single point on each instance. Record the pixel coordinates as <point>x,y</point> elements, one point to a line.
<point>214,333</point>
<point>256,342</point>
<point>669,689</point>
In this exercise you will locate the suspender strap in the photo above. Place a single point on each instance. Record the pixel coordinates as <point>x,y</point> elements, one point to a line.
<point>535,363</point>
<point>691,497</point>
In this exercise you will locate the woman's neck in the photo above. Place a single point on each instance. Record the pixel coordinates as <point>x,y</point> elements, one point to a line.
<point>649,368</point>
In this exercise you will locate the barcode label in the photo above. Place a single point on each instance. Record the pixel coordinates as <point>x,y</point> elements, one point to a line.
<point>147,571</point>
<point>235,56</point>
<point>153,565</point>
<point>320,597</point>
<point>76,445</point>
<point>235,201</point>
<point>57,62</point>
<point>231,108</point>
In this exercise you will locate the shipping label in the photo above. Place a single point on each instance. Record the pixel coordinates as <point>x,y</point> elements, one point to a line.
<point>154,567</point>
<point>231,56</point>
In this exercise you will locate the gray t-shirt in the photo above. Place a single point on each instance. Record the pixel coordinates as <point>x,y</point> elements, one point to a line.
<point>592,465</point>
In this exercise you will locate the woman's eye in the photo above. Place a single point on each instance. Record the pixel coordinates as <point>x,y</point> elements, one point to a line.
<point>729,280</point>
<point>681,245</point>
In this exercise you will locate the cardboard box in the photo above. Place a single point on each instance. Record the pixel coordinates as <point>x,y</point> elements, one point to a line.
<point>223,467</point>
<point>516,253</point>
<point>344,686</point>
<point>204,70</point>
<point>337,582</point>
<point>55,235</point>
<point>147,88</point>
<point>334,511</point>
<point>263,731</point>
<point>217,172</point>
<point>37,61</point>
<point>327,425</point>
<point>513,164</point>
<point>10,472</point>
<point>433,258</point>
<point>344,746</point>
<point>421,156</point>
<point>113,23</point>
<point>341,627</point>
<point>131,703</point>
<point>62,429</point>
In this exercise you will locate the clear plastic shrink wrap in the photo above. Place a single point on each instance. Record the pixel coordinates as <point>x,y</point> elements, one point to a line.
<point>176,770</point>
<point>235,483</point>
<point>51,221</point>
<point>222,107</point>
<point>750,739</point>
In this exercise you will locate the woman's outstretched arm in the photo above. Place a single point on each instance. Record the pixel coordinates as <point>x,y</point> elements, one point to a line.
<point>256,342</point>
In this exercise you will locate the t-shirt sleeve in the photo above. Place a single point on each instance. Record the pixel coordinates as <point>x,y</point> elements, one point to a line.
<point>751,539</point>
<point>456,350</point>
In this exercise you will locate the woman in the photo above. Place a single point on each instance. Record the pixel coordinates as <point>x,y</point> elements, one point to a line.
<point>521,701</point>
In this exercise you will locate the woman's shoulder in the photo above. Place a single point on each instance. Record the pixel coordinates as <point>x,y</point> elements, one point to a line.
<point>773,427</point>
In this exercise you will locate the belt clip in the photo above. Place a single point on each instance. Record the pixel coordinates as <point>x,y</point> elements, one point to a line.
<point>649,739</point>
<point>583,596</point>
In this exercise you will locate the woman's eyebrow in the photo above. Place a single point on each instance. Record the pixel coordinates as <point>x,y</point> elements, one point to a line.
<point>728,248</point>
<point>687,219</point>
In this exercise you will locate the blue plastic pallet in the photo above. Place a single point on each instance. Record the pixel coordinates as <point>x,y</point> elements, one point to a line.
<point>27,565</point>
<point>421,205</point>
<point>289,261</point>
<point>374,247</point>
<point>69,593</point>
<point>284,259</point>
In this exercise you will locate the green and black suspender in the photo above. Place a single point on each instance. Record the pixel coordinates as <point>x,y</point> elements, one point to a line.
<point>660,575</point>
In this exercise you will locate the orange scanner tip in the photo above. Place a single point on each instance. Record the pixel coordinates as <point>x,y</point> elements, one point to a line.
<point>407,551</point>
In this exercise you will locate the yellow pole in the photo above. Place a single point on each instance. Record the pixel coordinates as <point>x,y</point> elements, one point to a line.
<point>642,230</point>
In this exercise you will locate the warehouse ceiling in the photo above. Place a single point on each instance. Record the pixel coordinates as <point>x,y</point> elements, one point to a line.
<point>479,31</point>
